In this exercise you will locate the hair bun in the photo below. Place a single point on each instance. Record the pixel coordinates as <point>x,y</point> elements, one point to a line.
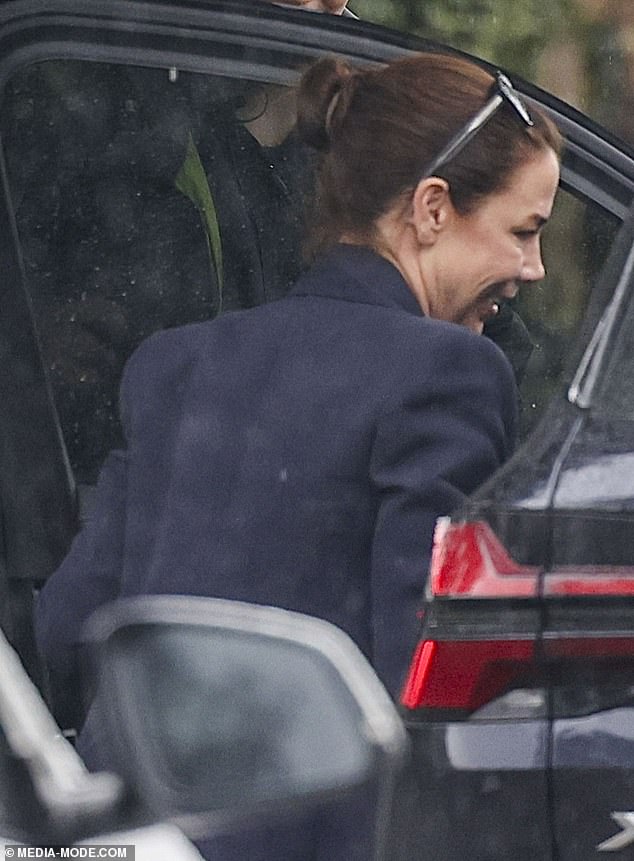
<point>319,100</point>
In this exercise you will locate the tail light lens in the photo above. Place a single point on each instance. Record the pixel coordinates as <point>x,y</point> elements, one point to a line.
<point>468,561</point>
<point>469,657</point>
<point>589,580</point>
<point>464,675</point>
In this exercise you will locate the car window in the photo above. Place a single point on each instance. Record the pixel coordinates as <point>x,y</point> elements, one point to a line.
<point>615,396</point>
<point>138,207</point>
<point>137,210</point>
<point>575,245</point>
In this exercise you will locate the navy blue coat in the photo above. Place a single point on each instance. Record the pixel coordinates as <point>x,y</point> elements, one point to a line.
<point>294,454</point>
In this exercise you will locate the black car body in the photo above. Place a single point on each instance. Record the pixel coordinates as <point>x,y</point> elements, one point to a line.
<point>522,682</point>
<point>519,699</point>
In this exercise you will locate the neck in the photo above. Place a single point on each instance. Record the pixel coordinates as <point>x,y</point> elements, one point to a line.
<point>269,115</point>
<point>394,240</point>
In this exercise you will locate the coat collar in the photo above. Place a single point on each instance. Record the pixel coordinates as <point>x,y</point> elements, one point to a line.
<point>355,273</point>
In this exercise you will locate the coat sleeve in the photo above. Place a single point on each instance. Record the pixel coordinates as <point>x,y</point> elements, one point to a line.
<point>453,428</point>
<point>91,574</point>
<point>87,578</point>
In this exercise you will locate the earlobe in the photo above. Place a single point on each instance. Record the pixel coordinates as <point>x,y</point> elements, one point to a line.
<point>431,209</point>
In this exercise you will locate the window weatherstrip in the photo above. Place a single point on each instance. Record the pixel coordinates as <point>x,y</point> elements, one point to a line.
<point>583,384</point>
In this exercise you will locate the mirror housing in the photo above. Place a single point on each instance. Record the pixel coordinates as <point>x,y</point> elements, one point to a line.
<point>217,710</point>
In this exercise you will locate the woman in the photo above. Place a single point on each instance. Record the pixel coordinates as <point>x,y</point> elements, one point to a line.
<point>299,453</point>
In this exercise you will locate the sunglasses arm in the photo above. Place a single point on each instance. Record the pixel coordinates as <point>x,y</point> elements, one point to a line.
<point>457,143</point>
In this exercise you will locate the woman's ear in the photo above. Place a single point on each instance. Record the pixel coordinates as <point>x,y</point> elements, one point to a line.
<point>431,209</point>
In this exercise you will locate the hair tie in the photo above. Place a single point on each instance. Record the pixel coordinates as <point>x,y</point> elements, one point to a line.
<point>330,111</point>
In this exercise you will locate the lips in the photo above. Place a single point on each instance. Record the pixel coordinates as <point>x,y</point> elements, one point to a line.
<point>489,308</point>
<point>492,299</point>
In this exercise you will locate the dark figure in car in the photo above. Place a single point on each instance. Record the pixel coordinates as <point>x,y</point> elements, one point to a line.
<point>149,200</point>
<point>153,205</point>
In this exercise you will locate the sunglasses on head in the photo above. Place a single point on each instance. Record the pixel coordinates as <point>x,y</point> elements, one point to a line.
<point>502,92</point>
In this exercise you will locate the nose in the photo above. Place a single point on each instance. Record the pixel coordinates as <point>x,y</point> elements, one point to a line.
<point>533,265</point>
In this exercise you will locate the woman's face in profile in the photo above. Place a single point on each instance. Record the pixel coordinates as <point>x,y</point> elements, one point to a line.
<point>485,256</point>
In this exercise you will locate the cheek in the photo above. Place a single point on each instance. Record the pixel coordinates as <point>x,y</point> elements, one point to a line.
<point>505,256</point>
<point>489,239</point>
<point>481,248</point>
<point>515,259</point>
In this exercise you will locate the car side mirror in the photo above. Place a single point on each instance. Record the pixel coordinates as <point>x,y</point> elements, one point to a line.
<point>217,710</point>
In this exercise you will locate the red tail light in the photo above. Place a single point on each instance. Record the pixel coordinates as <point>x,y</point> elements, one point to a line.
<point>469,560</point>
<point>463,675</point>
<point>590,580</point>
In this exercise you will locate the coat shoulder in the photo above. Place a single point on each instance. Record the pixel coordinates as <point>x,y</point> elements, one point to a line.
<point>448,346</point>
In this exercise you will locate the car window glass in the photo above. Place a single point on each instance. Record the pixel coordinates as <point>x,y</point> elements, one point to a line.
<point>143,201</point>
<point>575,245</point>
<point>615,397</point>
<point>146,198</point>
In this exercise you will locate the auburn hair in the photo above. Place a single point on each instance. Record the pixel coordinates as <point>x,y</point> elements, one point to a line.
<point>378,128</point>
